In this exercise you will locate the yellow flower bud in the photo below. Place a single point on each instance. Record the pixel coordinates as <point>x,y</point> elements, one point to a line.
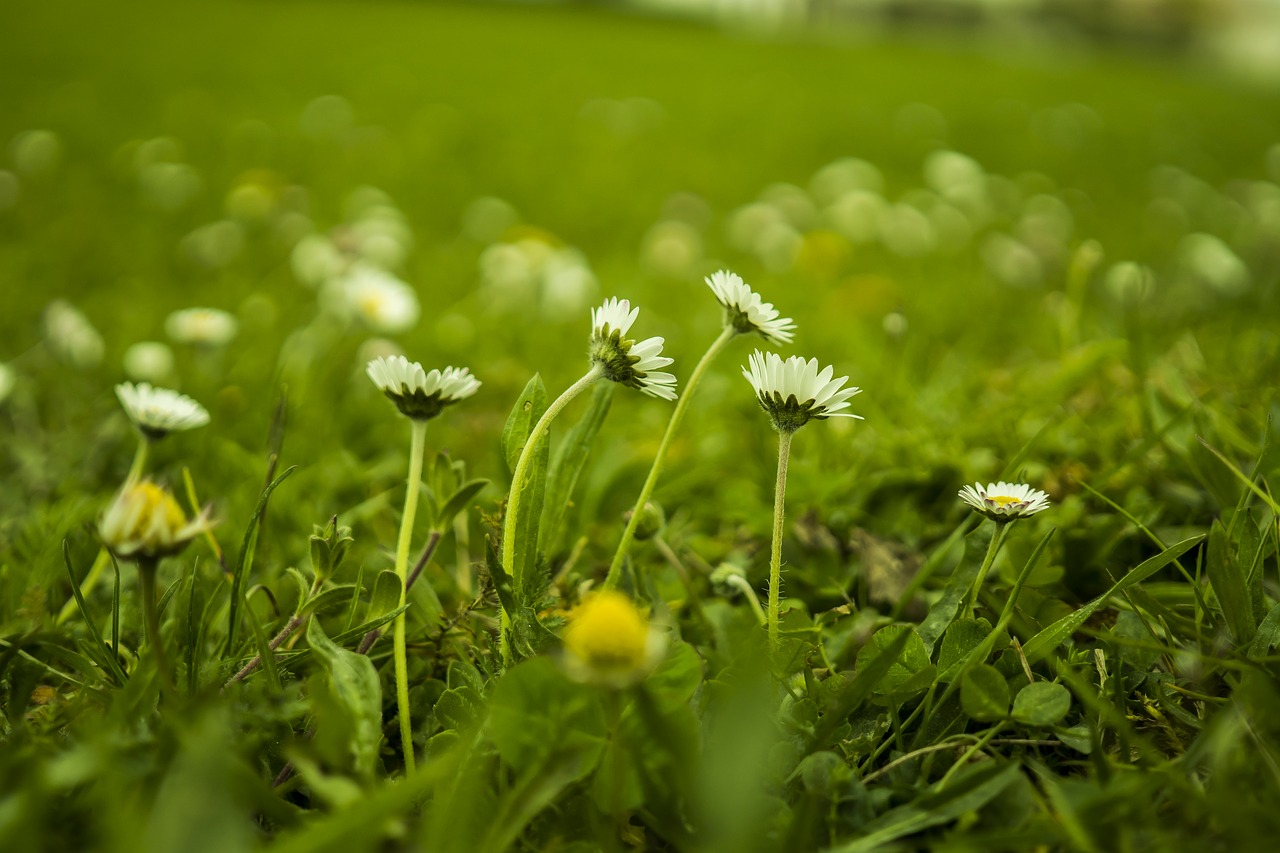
<point>145,521</point>
<point>608,642</point>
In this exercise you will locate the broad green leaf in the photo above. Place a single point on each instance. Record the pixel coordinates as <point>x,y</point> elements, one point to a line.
<point>1041,704</point>
<point>458,503</point>
<point>944,611</point>
<point>568,462</point>
<point>984,694</point>
<point>330,599</point>
<point>1043,643</point>
<point>459,708</point>
<point>386,594</point>
<point>962,636</point>
<point>529,406</point>
<point>851,695</point>
<point>356,692</point>
<point>1268,635</point>
<point>913,660</point>
<point>525,572</point>
<point>536,712</point>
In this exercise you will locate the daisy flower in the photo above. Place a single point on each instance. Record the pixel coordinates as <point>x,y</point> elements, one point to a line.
<point>381,301</point>
<point>625,361</point>
<point>746,312</point>
<point>159,411</point>
<point>1005,501</point>
<point>417,393</point>
<point>145,521</point>
<point>795,391</point>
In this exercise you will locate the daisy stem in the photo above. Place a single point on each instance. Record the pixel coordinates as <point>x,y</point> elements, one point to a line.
<point>775,557</point>
<point>997,537</point>
<point>646,491</point>
<point>151,619</point>
<point>103,559</point>
<point>417,444</point>
<point>511,523</point>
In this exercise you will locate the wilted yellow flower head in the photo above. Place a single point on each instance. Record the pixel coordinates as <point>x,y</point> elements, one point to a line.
<point>608,642</point>
<point>145,521</point>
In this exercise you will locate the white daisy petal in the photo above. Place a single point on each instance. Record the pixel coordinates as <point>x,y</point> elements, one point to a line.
<point>746,312</point>
<point>1005,501</point>
<point>795,391</point>
<point>625,361</point>
<point>160,411</point>
<point>417,393</point>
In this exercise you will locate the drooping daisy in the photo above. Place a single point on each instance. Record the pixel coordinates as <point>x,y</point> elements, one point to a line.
<point>746,312</point>
<point>159,411</point>
<point>1005,501</point>
<point>795,391</point>
<point>208,327</point>
<point>145,521</point>
<point>625,361</point>
<point>417,393</point>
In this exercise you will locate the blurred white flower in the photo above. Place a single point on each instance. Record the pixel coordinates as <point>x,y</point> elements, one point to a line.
<point>1005,501</point>
<point>894,324</point>
<point>211,327</point>
<point>71,336</point>
<point>794,392</point>
<point>907,232</point>
<point>378,299</point>
<point>746,312</point>
<point>148,361</point>
<point>156,412</point>
<point>624,361</point>
<point>1210,261</point>
<point>568,283</point>
<point>169,187</point>
<point>419,394</point>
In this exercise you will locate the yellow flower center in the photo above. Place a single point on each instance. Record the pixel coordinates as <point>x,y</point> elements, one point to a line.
<point>607,632</point>
<point>1002,500</point>
<point>156,507</point>
<point>371,303</point>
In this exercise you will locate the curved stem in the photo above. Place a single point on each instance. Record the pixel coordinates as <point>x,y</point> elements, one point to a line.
<point>139,460</point>
<point>646,491</point>
<point>151,619</point>
<point>511,522</point>
<point>775,557</point>
<point>993,546</point>
<point>417,444</point>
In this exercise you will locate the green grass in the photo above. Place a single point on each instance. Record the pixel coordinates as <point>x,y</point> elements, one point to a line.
<point>1168,735</point>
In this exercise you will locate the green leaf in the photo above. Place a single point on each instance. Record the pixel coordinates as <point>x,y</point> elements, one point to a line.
<point>535,712</point>
<point>329,599</point>
<point>850,697</point>
<point>1042,704</point>
<point>970,791</point>
<point>914,659</point>
<point>984,694</point>
<point>958,585</point>
<point>386,594</point>
<point>567,465</point>
<point>962,637</point>
<point>524,562</point>
<point>458,502</point>
<point>355,693</point>
<point>1043,643</point>
<point>1268,635</point>
<point>530,405</point>
<point>1227,577</point>
<point>244,563</point>
<point>459,708</point>
<point>102,653</point>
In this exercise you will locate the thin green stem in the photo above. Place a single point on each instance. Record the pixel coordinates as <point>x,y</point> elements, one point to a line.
<point>993,546</point>
<point>511,523</point>
<point>749,593</point>
<point>103,559</point>
<point>417,444</point>
<point>151,619</point>
<point>651,482</point>
<point>775,557</point>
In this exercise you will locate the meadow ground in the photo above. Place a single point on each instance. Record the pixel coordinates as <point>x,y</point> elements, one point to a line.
<point>1041,265</point>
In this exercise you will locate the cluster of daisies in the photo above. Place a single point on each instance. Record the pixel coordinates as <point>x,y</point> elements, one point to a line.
<point>146,523</point>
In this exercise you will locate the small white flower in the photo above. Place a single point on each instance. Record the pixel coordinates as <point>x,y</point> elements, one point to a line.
<point>746,312</point>
<point>160,411</point>
<point>144,520</point>
<point>625,361</point>
<point>381,301</point>
<point>211,327</point>
<point>149,361</point>
<point>1005,501</point>
<point>795,391</point>
<point>71,335</point>
<point>419,394</point>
